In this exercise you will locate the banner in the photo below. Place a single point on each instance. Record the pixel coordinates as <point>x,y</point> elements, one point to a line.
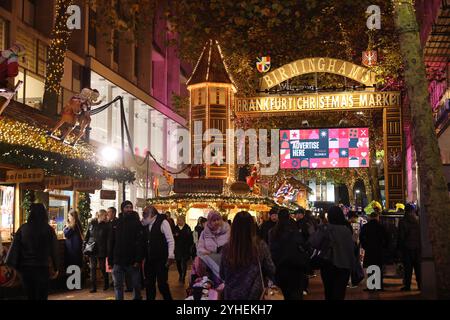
<point>324,148</point>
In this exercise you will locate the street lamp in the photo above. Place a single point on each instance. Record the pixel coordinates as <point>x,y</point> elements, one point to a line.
<point>357,191</point>
<point>109,155</point>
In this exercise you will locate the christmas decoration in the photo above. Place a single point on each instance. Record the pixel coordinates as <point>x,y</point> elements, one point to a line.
<point>58,46</point>
<point>57,164</point>
<point>15,132</point>
<point>77,110</point>
<point>84,208</point>
<point>28,199</point>
<point>9,63</point>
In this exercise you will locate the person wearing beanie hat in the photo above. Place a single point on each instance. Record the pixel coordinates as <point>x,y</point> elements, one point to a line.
<point>126,251</point>
<point>269,224</point>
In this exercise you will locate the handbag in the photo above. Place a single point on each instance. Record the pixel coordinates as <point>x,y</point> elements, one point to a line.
<point>89,249</point>
<point>269,292</point>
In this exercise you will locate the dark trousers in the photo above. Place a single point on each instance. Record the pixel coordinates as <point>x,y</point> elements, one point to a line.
<point>291,282</point>
<point>182,267</point>
<point>411,260</point>
<point>334,281</point>
<point>102,263</point>
<point>35,282</point>
<point>157,270</point>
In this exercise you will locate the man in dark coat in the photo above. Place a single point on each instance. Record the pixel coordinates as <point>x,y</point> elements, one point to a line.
<point>159,251</point>
<point>126,250</point>
<point>269,224</point>
<point>374,240</point>
<point>409,245</point>
<point>182,235</point>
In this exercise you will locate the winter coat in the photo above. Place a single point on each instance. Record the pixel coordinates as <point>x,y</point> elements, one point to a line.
<point>183,242</point>
<point>306,227</point>
<point>98,233</point>
<point>212,241</point>
<point>409,235</point>
<point>265,229</point>
<point>32,246</point>
<point>246,283</point>
<point>126,241</point>
<point>374,240</point>
<point>289,249</point>
<point>73,253</point>
<point>341,239</point>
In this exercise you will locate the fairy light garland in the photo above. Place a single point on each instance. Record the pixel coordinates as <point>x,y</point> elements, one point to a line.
<point>24,134</point>
<point>58,47</point>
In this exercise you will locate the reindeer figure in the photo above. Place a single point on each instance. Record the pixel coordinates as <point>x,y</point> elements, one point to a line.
<point>77,111</point>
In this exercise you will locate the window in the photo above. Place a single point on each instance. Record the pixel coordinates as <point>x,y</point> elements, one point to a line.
<point>3,34</point>
<point>6,4</point>
<point>92,28</point>
<point>27,11</point>
<point>41,58</point>
<point>140,128</point>
<point>6,212</point>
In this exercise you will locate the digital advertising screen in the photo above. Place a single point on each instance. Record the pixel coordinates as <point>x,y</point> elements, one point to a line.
<point>324,148</point>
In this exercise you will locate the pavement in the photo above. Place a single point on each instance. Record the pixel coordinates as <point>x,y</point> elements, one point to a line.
<point>392,285</point>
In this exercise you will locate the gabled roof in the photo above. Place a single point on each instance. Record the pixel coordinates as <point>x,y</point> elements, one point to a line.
<point>210,66</point>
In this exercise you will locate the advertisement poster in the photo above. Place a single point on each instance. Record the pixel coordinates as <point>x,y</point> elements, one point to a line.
<point>324,148</point>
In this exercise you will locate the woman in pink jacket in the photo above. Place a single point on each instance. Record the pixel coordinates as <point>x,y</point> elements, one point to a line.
<point>215,235</point>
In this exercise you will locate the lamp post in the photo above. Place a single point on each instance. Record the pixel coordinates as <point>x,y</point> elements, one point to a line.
<point>357,191</point>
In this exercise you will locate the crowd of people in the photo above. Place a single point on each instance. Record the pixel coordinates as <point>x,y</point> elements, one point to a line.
<point>238,260</point>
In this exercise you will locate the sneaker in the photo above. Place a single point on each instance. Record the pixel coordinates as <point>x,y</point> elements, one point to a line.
<point>405,289</point>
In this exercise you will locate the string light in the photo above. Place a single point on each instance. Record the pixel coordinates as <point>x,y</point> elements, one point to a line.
<point>58,48</point>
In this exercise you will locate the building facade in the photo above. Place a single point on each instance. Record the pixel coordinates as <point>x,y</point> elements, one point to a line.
<point>434,21</point>
<point>147,74</point>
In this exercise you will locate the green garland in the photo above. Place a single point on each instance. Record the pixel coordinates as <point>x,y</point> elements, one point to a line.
<point>26,202</point>
<point>84,208</point>
<point>57,164</point>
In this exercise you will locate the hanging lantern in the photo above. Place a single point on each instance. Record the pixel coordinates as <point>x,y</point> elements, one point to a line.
<point>369,58</point>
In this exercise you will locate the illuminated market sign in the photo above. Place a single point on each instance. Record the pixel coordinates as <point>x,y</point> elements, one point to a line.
<point>318,65</point>
<point>317,102</point>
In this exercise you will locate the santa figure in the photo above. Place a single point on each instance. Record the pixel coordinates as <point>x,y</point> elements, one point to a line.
<point>254,176</point>
<point>9,64</point>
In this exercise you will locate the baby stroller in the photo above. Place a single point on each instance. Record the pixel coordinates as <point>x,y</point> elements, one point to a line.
<point>205,282</point>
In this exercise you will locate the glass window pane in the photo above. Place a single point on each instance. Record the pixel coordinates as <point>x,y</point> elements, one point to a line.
<point>140,127</point>
<point>6,212</point>
<point>34,90</point>
<point>30,61</point>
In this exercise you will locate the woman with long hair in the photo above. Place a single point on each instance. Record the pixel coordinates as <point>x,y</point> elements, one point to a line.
<point>97,238</point>
<point>245,261</point>
<point>288,250</point>
<point>34,243</point>
<point>335,270</point>
<point>73,232</point>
